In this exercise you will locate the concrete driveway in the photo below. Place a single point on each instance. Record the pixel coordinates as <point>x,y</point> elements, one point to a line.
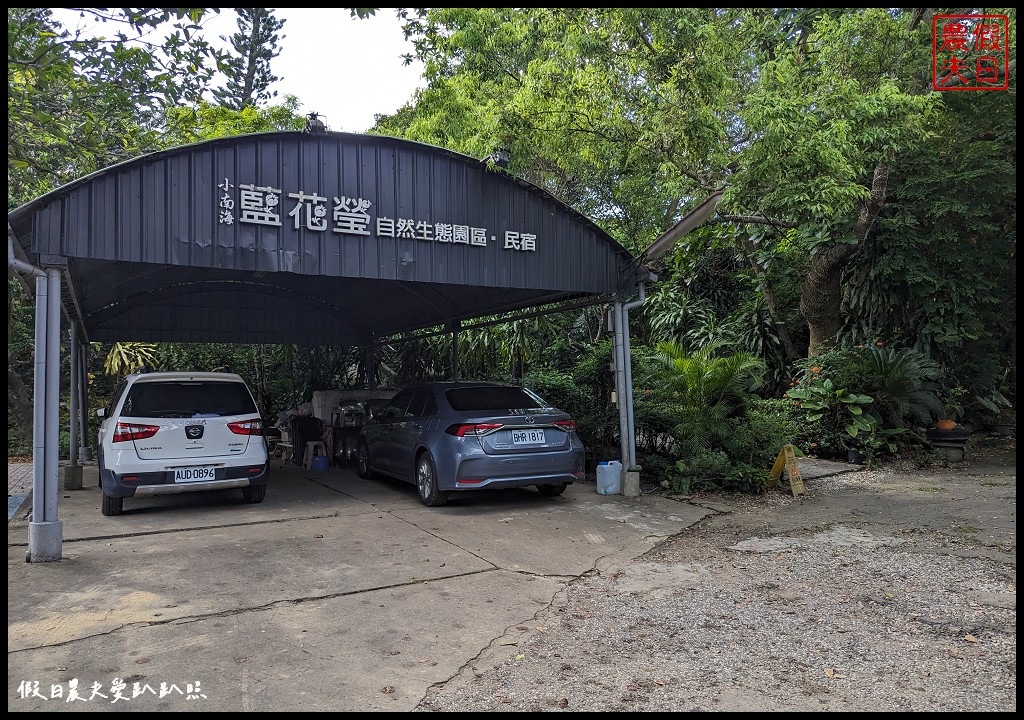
<point>335,593</point>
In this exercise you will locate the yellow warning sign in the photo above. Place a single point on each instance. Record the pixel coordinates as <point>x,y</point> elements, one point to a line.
<point>787,460</point>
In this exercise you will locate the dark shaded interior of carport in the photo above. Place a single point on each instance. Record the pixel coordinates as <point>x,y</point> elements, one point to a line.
<point>366,237</point>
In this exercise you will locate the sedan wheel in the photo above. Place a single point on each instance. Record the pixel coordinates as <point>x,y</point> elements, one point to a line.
<point>426,482</point>
<point>363,460</point>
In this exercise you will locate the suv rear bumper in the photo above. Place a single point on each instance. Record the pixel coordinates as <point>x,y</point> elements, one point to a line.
<point>162,482</point>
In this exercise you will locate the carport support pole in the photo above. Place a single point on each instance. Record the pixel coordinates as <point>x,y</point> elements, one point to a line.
<point>73,409</point>
<point>39,404</point>
<point>83,399</point>
<point>628,362</point>
<point>455,351</point>
<point>45,531</point>
<point>620,383</point>
<point>73,471</point>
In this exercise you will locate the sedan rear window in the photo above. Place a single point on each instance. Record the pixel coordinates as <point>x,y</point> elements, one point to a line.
<point>188,399</point>
<point>491,398</point>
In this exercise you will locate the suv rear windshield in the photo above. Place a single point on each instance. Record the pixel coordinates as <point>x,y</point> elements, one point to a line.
<point>491,398</point>
<point>188,398</point>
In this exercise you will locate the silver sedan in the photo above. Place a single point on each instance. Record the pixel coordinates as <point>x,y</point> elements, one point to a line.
<point>448,437</point>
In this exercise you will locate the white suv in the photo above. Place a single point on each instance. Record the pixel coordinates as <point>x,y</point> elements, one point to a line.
<point>171,432</point>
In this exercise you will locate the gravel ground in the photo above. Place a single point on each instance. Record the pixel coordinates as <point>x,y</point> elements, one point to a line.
<point>889,589</point>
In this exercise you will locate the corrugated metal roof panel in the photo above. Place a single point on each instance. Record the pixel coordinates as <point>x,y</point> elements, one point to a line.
<point>313,211</point>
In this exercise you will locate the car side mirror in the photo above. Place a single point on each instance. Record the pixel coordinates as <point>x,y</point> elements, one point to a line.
<point>101,413</point>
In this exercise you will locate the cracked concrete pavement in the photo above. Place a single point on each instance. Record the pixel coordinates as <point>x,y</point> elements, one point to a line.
<point>335,593</point>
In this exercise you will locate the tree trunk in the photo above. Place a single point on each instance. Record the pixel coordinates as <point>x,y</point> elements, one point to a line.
<point>821,299</point>
<point>788,347</point>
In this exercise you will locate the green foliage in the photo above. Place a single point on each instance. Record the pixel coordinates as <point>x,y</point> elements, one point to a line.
<point>248,68</point>
<point>674,315</point>
<point>713,470</point>
<point>797,109</point>
<point>125,358</point>
<point>823,120</point>
<point>747,478</point>
<point>20,328</point>
<point>204,121</point>
<point>702,471</point>
<point>559,389</point>
<point>999,408</point>
<point>939,273</point>
<point>19,415</point>
<point>879,443</point>
<point>562,390</point>
<point>833,390</point>
<point>659,468</point>
<point>903,383</point>
<point>78,103</point>
<point>699,413</point>
<point>655,418</point>
<point>758,435</point>
<point>632,116</point>
<point>834,407</point>
<point>583,391</point>
<point>706,391</point>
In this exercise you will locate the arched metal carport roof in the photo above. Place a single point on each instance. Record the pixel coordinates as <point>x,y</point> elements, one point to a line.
<point>325,239</point>
<point>298,238</point>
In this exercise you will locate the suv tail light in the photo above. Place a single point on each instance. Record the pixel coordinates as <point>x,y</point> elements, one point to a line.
<point>567,425</point>
<point>464,429</point>
<point>125,432</point>
<point>246,427</point>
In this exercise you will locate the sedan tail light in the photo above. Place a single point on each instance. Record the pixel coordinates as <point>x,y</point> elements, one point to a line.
<point>464,429</point>
<point>125,432</point>
<point>246,427</point>
<point>567,425</point>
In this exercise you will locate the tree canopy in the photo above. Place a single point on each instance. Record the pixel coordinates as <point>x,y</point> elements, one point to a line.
<point>821,124</point>
<point>248,71</point>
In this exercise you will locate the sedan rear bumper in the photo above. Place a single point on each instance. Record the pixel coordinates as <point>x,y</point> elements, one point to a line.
<point>556,479</point>
<point>169,489</point>
<point>480,471</point>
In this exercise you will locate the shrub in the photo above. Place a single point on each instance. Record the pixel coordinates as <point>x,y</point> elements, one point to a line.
<point>659,468</point>
<point>705,393</point>
<point>595,424</point>
<point>866,397</point>
<point>703,471</point>
<point>746,478</point>
<point>761,432</point>
<point>834,408</point>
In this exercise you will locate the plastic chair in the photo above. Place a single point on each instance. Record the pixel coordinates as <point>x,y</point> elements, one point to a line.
<point>313,448</point>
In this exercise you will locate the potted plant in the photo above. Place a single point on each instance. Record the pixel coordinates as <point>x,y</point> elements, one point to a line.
<point>948,438</point>
<point>953,407</point>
